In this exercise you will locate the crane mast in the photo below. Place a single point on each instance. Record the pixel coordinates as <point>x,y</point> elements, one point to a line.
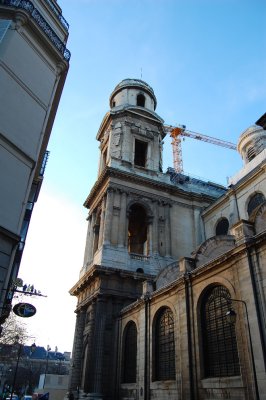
<point>176,132</point>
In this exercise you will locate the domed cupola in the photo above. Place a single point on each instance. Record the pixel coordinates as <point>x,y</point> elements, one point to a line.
<point>133,92</point>
<point>251,142</point>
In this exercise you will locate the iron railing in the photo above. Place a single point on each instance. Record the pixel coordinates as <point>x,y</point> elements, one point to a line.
<point>44,162</point>
<point>58,14</point>
<point>28,6</point>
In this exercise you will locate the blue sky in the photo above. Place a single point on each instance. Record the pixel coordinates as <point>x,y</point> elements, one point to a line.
<point>206,62</point>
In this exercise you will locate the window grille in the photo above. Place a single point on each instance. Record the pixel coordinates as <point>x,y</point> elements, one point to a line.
<point>219,339</point>
<point>222,227</point>
<point>254,202</point>
<point>130,353</point>
<point>164,346</point>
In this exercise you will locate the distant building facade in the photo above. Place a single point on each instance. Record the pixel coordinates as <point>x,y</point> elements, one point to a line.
<point>34,63</point>
<point>171,295</point>
<point>33,365</point>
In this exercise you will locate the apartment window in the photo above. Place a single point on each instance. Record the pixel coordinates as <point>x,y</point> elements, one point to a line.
<point>256,200</point>
<point>222,227</point>
<point>140,153</point>
<point>164,343</point>
<point>4,25</point>
<point>129,369</point>
<point>141,100</point>
<point>218,336</point>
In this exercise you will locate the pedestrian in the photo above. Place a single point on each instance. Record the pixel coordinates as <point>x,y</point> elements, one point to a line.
<point>70,395</point>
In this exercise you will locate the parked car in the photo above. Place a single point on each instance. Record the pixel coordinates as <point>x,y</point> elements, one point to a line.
<point>26,397</point>
<point>14,397</point>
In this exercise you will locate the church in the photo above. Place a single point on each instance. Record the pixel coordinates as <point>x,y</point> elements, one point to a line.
<point>171,294</point>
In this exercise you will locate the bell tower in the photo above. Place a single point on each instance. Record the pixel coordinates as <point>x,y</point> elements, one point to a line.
<point>128,238</point>
<point>122,231</point>
<point>130,133</point>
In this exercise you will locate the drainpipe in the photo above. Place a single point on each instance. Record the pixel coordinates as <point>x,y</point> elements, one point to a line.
<point>147,349</point>
<point>258,313</point>
<point>118,360</point>
<point>189,337</point>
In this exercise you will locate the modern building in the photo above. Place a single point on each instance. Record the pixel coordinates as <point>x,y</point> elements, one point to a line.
<point>55,385</point>
<point>171,295</point>
<point>34,63</point>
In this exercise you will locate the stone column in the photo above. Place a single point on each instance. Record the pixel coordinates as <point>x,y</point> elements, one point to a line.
<point>108,216</point>
<point>155,228</point>
<point>100,317</point>
<point>95,233</point>
<point>75,372</point>
<point>122,220</point>
<point>102,223</point>
<point>150,235</point>
<point>197,226</point>
<point>89,241</point>
<point>234,213</point>
<point>167,230</point>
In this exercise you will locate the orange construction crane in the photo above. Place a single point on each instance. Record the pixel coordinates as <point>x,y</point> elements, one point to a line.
<point>176,132</point>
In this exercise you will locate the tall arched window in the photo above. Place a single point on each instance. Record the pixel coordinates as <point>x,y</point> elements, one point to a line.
<point>137,230</point>
<point>129,368</point>
<point>254,202</point>
<point>222,227</point>
<point>218,336</point>
<point>164,346</point>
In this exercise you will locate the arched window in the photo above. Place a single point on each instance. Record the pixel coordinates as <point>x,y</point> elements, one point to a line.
<point>222,227</point>
<point>141,100</point>
<point>129,369</point>
<point>137,230</point>
<point>164,343</point>
<point>256,200</point>
<point>218,336</point>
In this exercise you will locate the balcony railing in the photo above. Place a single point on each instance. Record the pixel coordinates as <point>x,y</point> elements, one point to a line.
<point>58,14</point>
<point>28,6</point>
<point>44,162</point>
<point>139,257</point>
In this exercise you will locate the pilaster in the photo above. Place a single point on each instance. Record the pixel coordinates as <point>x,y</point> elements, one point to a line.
<point>108,216</point>
<point>122,220</point>
<point>75,372</point>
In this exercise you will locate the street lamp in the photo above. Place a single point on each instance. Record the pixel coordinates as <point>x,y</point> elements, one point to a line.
<point>32,350</point>
<point>231,319</point>
<point>48,348</point>
<point>33,347</point>
<point>16,368</point>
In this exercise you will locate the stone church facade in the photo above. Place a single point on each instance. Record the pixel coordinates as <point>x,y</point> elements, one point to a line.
<point>171,295</point>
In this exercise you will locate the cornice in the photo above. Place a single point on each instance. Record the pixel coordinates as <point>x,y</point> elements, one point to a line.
<point>145,181</point>
<point>234,189</point>
<point>98,270</point>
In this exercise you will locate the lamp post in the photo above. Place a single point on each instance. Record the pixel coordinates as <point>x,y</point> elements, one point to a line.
<point>231,319</point>
<point>32,350</point>
<point>16,368</point>
<point>48,348</point>
<point>33,347</point>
